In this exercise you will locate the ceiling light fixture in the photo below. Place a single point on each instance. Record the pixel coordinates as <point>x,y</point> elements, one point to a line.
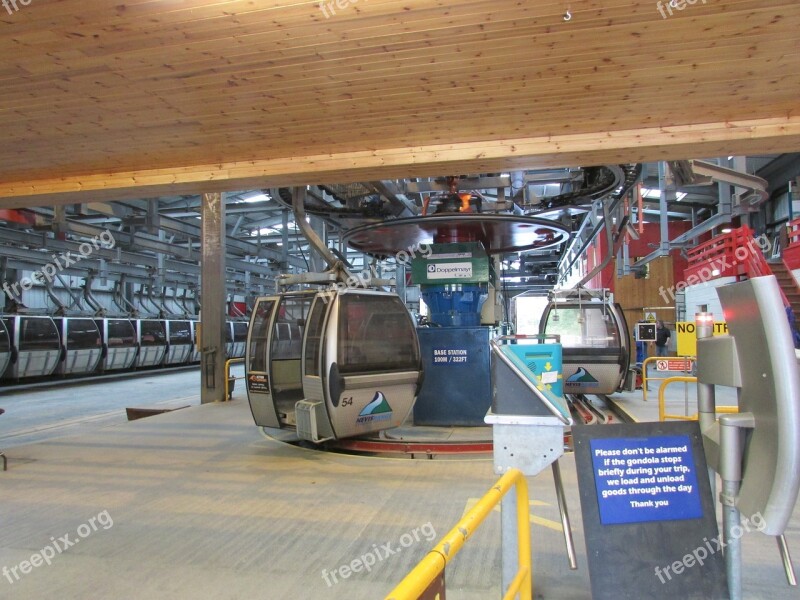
<point>256,198</point>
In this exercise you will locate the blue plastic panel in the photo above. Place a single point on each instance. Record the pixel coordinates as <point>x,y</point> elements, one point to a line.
<point>542,364</point>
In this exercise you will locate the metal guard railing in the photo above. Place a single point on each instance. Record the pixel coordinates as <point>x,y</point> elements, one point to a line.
<point>228,378</point>
<point>653,359</point>
<point>431,568</point>
<point>662,412</point>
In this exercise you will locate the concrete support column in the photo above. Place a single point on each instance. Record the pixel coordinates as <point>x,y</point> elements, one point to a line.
<point>213,293</point>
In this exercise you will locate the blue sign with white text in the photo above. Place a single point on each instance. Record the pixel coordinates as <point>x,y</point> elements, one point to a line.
<point>645,479</point>
<point>450,356</point>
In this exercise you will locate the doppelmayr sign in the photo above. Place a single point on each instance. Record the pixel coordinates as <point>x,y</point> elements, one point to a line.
<point>450,270</point>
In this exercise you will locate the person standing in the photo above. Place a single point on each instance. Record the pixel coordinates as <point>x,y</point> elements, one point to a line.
<point>662,338</point>
<point>641,347</point>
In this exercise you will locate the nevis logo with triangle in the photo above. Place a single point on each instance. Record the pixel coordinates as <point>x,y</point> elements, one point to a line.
<point>377,410</point>
<point>583,377</point>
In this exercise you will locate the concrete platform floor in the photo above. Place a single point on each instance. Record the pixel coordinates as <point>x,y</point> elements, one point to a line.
<point>198,504</point>
<point>44,414</point>
<point>680,398</point>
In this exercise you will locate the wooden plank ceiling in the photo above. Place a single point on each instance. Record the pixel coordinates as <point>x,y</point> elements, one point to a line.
<point>104,100</point>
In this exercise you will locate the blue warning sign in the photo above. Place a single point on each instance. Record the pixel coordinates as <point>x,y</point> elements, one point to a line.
<point>645,479</point>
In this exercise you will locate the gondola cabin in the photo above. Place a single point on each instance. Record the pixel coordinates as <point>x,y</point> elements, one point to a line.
<point>119,344</point>
<point>594,338</point>
<point>195,328</point>
<point>179,336</point>
<point>82,345</point>
<point>332,364</point>
<point>152,340</point>
<point>5,347</point>
<point>239,332</point>
<point>228,331</point>
<point>35,346</point>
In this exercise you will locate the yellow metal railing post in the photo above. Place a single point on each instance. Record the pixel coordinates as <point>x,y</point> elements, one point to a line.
<point>228,364</point>
<point>523,582</point>
<point>662,411</point>
<point>429,568</point>
<point>646,362</point>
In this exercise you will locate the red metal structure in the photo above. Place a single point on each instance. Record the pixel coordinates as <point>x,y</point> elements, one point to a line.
<point>738,254</point>
<point>791,254</point>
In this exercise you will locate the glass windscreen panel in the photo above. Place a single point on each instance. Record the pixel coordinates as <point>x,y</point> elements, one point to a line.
<point>152,333</point>
<point>584,327</point>
<point>5,340</point>
<point>82,333</point>
<point>180,332</point>
<point>316,322</point>
<point>120,333</point>
<point>239,331</point>
<point>376,334</point>
<point>260,335</point>
<point>287,339</point>
<point>38,334</point>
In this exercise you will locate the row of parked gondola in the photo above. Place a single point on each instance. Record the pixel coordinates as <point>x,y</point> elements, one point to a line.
<point>40,346</point>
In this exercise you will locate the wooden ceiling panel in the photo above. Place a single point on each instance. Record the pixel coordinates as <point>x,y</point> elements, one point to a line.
<point>96,92</point>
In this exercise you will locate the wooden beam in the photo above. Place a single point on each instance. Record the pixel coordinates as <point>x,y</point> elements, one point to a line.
<point>638,145</point>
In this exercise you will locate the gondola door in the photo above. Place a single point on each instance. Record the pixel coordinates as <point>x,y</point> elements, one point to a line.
<point>314,373</point>
<point>5,348</point>
<point>371,363</point>
<point>285,354</point>
<point>259,392</point>
<point>38,346</point>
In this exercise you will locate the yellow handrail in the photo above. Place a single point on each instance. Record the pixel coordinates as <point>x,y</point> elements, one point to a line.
<point>662,414</point>
<point>429,568</point>
<point>653,359</point>
<point>228,377</point>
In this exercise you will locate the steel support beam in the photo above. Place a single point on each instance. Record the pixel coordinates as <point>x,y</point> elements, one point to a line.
<point>781,171</point>
<point>34,260</point>
<point>285,241</point>
<point>114,210</point>
<point>232,244</point>
<point>755,187</point>
<point>390,190</point>
<point>115,256</point>
<point>666,184</point>
<point>490,183</point>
